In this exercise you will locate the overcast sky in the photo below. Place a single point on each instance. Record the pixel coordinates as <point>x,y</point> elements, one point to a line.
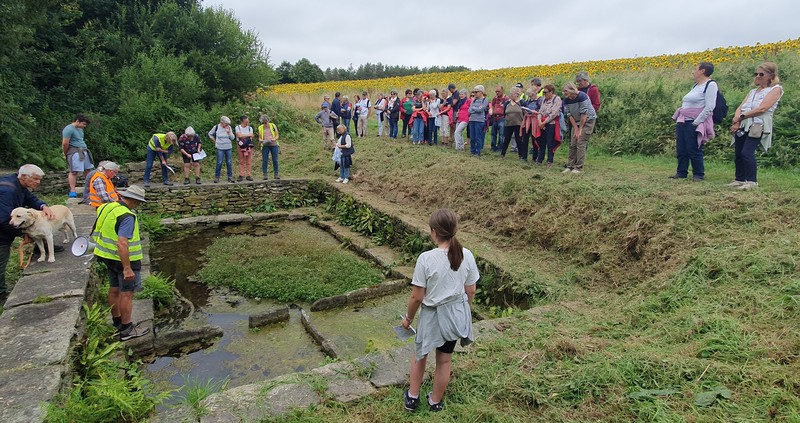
<point>491,34</point>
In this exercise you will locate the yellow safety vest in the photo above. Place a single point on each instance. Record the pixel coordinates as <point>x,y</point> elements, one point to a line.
<point>272,128</point>
<point>94,198</point>
<point>162,139</point>
<point>105,232</point>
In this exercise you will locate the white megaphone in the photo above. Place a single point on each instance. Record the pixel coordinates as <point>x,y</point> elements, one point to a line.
<point>81,245</point>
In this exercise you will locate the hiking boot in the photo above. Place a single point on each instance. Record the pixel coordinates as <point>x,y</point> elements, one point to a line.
<point>747,185</point>
<point>676,176</point>
<point>735,184</point>
<point>698,178</point>
<point>277,177</point>
<point>410,404</point>
<point>439,406</point>
<point>216,180</point>
<point>197,181</point>
<point>249,178</point>
<point>168,183</point>
<point>231,180</point>
<point>241,178</point>
<point>186,181</point>
<point>147,184</point>
<point>265,178</point>
<point>133,331</point>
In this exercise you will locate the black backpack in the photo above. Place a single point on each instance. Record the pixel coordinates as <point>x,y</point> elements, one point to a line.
<point>721,109</point>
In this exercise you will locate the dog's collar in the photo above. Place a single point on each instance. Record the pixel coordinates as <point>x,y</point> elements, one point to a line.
<point>27,226</point>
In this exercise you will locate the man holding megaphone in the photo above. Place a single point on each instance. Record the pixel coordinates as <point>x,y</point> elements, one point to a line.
<point>118,245</point>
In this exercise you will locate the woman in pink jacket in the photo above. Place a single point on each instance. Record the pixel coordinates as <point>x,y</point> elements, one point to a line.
<point>463,118</point>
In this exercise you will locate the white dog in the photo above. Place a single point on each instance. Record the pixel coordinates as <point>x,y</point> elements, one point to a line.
<point>37,226</point>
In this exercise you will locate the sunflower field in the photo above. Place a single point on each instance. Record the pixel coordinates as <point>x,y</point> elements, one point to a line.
<point>639,95</point>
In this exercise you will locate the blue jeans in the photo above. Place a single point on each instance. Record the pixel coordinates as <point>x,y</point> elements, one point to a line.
<point>265,151</point>
<point>546,144</point>
<point>344,172</point>
<point>476,135</point>
<point>433,134</point>
<point>418,130</point>
<point>498,132</point>
<point>227,156</point>
<point>745,161</point>
<point>688,151</point>
<point>392,128</point>
<point>346,123</point>
<point>151,157</point>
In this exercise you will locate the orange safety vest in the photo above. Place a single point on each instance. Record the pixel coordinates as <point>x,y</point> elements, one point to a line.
<point>94,198</point>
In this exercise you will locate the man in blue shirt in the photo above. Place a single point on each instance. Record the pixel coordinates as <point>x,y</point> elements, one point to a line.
<point>74,147</point>
<point>15,191</point>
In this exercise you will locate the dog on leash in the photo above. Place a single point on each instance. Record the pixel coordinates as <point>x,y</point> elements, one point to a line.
<point>39,228</point>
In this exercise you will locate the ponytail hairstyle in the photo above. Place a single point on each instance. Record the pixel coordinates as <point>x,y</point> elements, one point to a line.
<point>443,222</point>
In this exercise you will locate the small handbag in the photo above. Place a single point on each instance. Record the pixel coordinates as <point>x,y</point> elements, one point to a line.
<point>756,130</point>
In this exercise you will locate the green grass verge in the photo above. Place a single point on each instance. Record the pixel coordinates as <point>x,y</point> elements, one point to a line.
<point>297,264</point>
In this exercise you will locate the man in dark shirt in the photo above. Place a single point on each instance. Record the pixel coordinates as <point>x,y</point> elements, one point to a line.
<point>15,191</point>
<point>336,108</point>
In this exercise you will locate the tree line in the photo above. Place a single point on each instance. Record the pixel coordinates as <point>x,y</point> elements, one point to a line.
<point>134,66</point>
<point>304,71</point>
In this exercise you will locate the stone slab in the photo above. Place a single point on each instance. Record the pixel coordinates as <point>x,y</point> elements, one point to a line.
<point>191,221</point>
<point>349,390</point>
<point>268,317</point>
<point>248,404</point>
<point>171,340</point>
<point>269,216</point>
<point>233,218</point>
<point>38,334</point>
<point>24,393</point>
<point>60,284</point>
<point>328,303</point>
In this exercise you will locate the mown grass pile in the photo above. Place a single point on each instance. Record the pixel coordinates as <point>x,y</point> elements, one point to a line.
<point>299,263</point>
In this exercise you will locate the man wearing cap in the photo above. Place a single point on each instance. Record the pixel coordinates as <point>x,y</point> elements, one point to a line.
<point>118,245</point>
<point>101,189</point>
<point>325,118</point>
<point>362,107</point>
<point>15,191</point>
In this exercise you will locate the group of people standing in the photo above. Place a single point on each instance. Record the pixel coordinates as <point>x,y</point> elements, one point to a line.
<point>752,124</point>
<point>537,118</point>
<point>245,137</point>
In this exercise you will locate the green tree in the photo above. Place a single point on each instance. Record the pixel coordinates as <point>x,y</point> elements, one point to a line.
<point>304,71</point>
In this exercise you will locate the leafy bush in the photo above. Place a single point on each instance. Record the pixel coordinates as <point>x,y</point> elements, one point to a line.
<point>159,288</point>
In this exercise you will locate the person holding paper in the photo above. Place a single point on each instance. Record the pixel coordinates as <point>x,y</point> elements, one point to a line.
<point>190,144</point>
<point>268,135</point>
<point>443,287</point>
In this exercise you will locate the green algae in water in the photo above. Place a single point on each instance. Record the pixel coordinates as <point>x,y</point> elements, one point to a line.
<point>300,263</point>
<point>366,327</point>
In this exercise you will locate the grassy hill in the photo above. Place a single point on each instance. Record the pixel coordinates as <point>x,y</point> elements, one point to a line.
<point>661,300</point>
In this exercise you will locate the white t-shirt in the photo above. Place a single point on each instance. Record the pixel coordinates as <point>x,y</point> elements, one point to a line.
<point>441,283</point>
<point>364,103</point>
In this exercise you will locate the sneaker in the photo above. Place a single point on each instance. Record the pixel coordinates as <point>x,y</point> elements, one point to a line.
<point>216,180</point>
<point>277,177</point>
<point>345,181</point>
<point>168,183</point>
<point>249,178</point>
<point>134,331</point>
<point>197,181</point>
<point>339,179</point>
<point>231,180</point>
<point>147,184</point>
<point>676,176</point>
<point>241,178</point>
<point>577,171</point>
<point>265,178</point>
<point>747,185</point>
<point>410,404</point>
<point>698,178</point>
<point>72,194</point>
<point>186,181</point>
<point>735,184</point>
<point>566,170</point>
<point>439,406</point>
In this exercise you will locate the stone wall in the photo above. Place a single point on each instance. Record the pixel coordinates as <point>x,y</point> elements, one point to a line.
<point>55,182</point>
<point>195,200</point>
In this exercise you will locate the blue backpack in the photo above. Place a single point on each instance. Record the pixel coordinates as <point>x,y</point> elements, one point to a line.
<point>721,109</point>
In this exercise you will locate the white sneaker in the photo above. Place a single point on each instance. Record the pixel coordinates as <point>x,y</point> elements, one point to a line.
<point>345,181</point>
<point>576,171</point>
<point>747,185</point>
<point>735,184</point>
<point>339,179</point>
<point>566,170</point>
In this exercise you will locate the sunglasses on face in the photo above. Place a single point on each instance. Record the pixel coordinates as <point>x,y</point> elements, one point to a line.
<point>758,74</point>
